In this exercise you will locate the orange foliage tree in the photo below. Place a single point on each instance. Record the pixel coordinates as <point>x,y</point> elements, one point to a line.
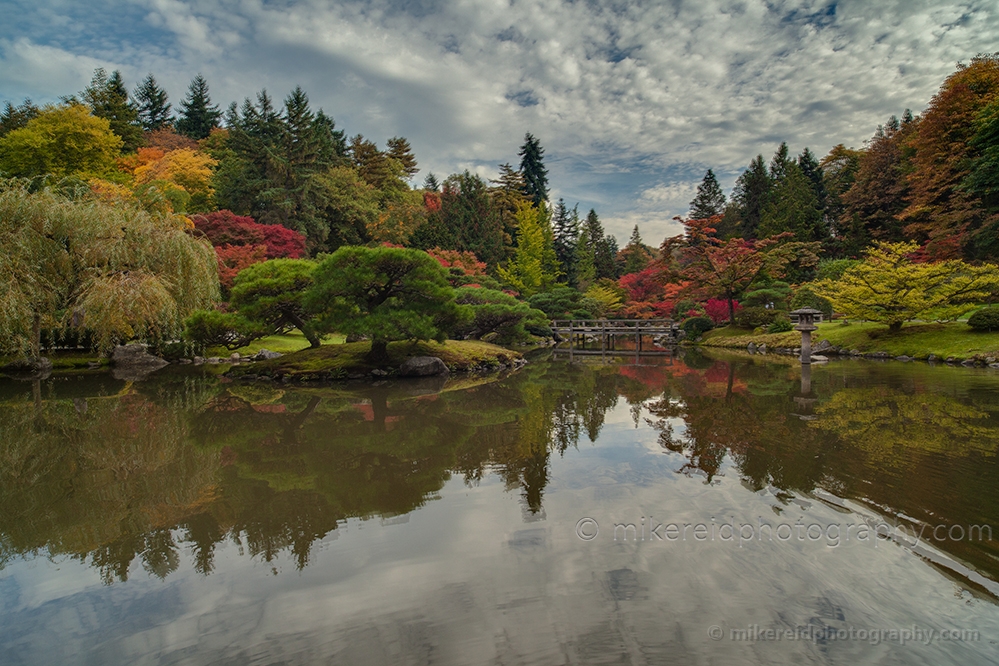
<point>941,213</point>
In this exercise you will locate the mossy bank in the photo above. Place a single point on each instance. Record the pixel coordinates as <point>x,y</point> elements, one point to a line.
<point>350,361</point>
<point>953,341</point>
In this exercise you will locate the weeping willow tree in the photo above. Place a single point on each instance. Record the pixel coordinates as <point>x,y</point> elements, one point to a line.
<point>111,270</point>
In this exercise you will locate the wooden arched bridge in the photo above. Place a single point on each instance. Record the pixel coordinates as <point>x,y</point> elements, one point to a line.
<point>578,332</point>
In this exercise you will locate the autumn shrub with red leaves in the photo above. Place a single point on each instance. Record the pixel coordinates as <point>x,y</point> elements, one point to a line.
<point>467,262</point>
<point>224,227</point>
<point>234,258</point>
<point>716,309</point>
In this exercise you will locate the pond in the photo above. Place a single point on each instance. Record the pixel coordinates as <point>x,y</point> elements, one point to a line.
<point>690,510</point>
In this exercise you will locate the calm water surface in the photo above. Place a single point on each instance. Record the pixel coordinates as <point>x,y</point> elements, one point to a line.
<point>761,519</point>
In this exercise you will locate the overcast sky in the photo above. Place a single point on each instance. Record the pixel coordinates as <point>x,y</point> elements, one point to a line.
<point>632,101</point>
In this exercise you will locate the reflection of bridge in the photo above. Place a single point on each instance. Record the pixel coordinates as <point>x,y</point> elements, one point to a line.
<point>578,331</point>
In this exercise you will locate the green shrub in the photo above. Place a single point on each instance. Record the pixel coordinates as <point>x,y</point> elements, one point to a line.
<point>500,314</point>
<point>771,292</point>
<point>986,319</point>
<point>211,328</point>
<point>697,326</point>
<point>806,298</point>
<point>755,316</point>
<point>780,324</point>
<point>565,303</point>
<point>833,269</point>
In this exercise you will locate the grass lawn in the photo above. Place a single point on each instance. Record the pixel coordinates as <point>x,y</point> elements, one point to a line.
<point>290,342</point>
<point>917,340</point>
<point>341,359</point>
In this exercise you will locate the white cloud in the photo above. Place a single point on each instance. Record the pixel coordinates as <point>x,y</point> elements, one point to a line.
<point>658,92</point>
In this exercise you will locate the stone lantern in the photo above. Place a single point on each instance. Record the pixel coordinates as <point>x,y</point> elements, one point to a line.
<point>806,324</point>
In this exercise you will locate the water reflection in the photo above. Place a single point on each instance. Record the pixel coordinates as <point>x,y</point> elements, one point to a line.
<point>114,473</point>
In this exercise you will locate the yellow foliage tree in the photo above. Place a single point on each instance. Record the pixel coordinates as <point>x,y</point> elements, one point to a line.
<point>62,141</point>
<point>188,169</point>
<point>534,267</point>
<point>891,288</point>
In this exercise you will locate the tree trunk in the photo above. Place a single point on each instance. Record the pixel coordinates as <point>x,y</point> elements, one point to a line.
<point>731,310</point>
<point>379,351</point>
<point>895,326</point>
<point>310,335</point>
<point>36,337</point>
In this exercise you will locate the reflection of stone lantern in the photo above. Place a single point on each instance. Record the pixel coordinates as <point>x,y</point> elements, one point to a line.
<point>806,324</point>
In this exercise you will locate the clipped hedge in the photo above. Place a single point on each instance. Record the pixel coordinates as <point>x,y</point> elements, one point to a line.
<point>986,319</point>
<point>697,326</point>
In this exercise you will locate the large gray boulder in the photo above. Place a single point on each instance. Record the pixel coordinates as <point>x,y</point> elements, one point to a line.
<point>28,368</point>
<point>423,366</point>
<point>823,345</point>
<point>133,362</point>
<point>266,354</point>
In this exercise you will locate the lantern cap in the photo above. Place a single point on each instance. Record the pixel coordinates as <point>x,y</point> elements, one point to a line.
<point>806,311</point>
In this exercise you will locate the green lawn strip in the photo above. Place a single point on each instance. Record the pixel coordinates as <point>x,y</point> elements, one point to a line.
<point>65,360</point>
<point>351,357</point>
<point>285,344</point>
<point>916,340</point>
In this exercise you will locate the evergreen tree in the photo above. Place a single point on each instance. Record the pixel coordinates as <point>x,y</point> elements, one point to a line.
<point>813,171</point>
<point>400,150</point>
<point>607,258</point>
<point>586,271</point>
<point>154,109</point>
<point>15,117</point>
<point>636,254</point>
<point>467,220</point>
<point>532,169</point>
<point>602,248</point>
<point>198,117</point>
<point>780,163</point>
<point>276,164</point>
<point>792,206</point>
<point>375,166</point>
<point>710,199</point>
<point>430,183</point>
<point>566,237</point>
<point>107,98</point>
<point>750,196</point>
<point>839,172</point>
<point>507,193</point>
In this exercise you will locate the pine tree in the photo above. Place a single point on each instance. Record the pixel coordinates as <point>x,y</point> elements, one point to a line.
<point>750,196</point>
<point>636,254</point>
<point>107,98</point>
<point>603,248</point>
<point>586,270</point>
<point>710,199</point>
<point>532,168</point>
<point>154,109</point>
<point>507,193</point>
<point>430,183</point>
<point>813,171</point>
<point>400,150</point>
<point>792,206</point>
<point>198,117</point>
<point>15,117</point>
<point>779,163</point>
<point>566,238</point>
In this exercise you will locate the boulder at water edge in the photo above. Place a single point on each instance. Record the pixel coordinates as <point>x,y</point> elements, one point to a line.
<point>423,366</point>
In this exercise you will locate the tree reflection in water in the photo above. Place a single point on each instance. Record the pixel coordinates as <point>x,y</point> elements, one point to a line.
<point>111,473</point>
